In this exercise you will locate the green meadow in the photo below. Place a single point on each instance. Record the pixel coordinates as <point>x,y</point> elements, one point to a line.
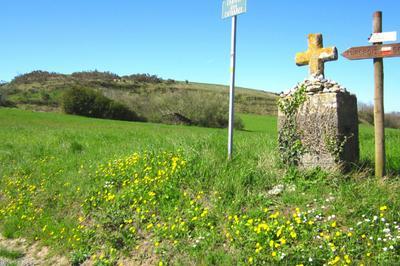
<point>106,192</point>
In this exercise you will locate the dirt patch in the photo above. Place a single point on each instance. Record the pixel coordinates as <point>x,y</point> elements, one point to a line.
<point>34,254</point>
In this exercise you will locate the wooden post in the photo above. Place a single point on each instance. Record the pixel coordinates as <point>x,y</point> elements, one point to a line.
<point>378,52</point>
<point>379,113</point>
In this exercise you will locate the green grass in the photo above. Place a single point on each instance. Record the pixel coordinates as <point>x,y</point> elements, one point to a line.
<point>50,170</point>
<point>367,147</point>
<point>10,254</point>
<point>260,123</point>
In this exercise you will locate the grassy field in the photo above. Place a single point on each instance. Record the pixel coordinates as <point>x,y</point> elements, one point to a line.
<point>110,192</point>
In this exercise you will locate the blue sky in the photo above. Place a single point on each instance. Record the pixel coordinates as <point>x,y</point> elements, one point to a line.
<point>187,40</point>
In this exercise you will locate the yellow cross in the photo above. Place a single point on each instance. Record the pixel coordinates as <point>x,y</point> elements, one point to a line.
<point>316,55</point>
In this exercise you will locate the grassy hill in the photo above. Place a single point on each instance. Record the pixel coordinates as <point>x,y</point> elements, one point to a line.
<point>145,94</point>
<point>109,192</point>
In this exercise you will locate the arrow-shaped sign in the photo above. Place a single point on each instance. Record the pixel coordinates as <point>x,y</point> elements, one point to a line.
<point>370,52</point>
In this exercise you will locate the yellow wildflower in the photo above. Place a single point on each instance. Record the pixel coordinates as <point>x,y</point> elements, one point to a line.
<point>347,259</point>
<point>250,260</point>
<point>274,215</point>
<point>271,243</point>
<point>334,261</point>
<point>383,208</point>
<point>279,233</point>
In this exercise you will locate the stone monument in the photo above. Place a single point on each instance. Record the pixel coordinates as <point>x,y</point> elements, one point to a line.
<point>327,121</point>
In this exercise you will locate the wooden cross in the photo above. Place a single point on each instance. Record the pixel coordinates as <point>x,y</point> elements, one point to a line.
<point>316,55</point>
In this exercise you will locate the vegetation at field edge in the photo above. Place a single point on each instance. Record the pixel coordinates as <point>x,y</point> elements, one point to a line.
<point>150,97</point>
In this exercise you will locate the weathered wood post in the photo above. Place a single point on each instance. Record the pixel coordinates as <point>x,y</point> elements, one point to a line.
<point>378,51</point>
<point>379,113</point>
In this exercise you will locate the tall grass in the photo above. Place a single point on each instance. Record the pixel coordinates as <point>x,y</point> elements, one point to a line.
<point>61,155</point>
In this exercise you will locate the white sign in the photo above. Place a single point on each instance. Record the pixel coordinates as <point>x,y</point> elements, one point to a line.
<point>383,37</point>
<point>232,8</point>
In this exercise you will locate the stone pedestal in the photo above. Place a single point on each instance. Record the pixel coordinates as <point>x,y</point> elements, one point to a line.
<point>328,125</point>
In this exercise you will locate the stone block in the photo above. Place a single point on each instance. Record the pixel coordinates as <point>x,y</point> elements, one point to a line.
<point>328,126</point>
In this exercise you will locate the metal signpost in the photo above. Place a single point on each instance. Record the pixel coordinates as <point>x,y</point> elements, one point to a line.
<point>232,8</point>
<point>377,52</point>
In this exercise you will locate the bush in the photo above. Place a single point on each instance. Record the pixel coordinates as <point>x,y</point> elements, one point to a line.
<point>204,109</point>
<point>4,101</point>
<point>366,115</point>
<point>2,98</point>
<point>392,120</point>
<point>36,76</point>
<point>144,78</point>
<point>88,102</point>
<point>97,75</point>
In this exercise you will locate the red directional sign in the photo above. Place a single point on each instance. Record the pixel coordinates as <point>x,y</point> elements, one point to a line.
<point>375,51</point>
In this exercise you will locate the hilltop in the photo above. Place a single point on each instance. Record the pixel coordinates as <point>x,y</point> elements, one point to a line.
<point>148,95</point>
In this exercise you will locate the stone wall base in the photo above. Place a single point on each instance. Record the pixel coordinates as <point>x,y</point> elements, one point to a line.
<point>328,124</point>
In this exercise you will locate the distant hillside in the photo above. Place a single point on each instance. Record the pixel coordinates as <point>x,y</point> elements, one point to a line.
<point>148,95</point>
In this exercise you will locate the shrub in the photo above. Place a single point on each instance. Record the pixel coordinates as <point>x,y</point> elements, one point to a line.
<point>121,112</point>
<point>4,101</point>
<point>36,76</point>
<point>392,120</point>
<point>144,78</point>
<point>204,109</point>
<point>366,115</point>
<point>88,102</point>
<point>2,98</point>
<point>97,75</point>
